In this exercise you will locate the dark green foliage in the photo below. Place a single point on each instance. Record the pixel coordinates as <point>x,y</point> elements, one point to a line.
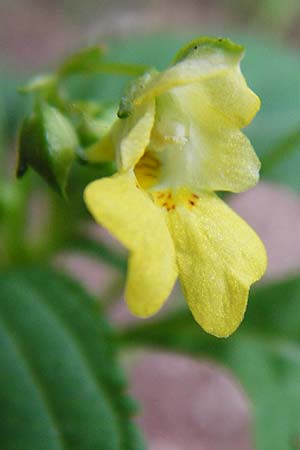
<point>60,384</point>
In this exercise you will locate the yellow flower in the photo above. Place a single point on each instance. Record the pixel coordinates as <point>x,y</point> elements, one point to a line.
<point>178,140</point>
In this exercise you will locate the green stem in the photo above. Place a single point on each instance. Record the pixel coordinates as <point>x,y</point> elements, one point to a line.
<point>110,68</point>
<point>13,223</point>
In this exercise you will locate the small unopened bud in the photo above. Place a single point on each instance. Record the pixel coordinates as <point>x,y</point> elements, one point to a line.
<point>47,143</point>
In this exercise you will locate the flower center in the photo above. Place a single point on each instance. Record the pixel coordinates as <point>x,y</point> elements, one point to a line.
<point>171,199</point>
<point>147,170</point>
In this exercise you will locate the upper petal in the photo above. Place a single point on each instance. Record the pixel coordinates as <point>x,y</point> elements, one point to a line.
<point>226,90</point>
<point>200,62</point>
<point>126,140</point>
<point>131,135</point>
<point>131,216</point>
<point>198,121</point>
<point>228,93</point>
<point>219,256</point>
<point>199,147</point>
<point>227,160</point>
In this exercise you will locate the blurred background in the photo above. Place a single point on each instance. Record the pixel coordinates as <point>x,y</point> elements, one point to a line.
<point>185,404</point>
<point>38,33</point>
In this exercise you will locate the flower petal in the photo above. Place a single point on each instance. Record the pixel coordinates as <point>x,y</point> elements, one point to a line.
<point>198,62</point>
<point>127,139</point>
<point>132,135</point>
<point>131,216</point>
<point>219,256</point>
<point>227,160</point>
<point>228,93</point>
<point>101,151</point>
<point>226,90</point>
<point>207,151</point>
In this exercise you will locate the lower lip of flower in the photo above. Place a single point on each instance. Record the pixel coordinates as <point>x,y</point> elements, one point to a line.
<point>170,199</point>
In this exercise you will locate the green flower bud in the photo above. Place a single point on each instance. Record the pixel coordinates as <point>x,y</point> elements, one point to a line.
<point>47,143</point>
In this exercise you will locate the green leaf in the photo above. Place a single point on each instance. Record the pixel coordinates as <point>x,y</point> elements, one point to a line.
<point>60,385</point>
<point>47,143</point>
<point>264,354</point>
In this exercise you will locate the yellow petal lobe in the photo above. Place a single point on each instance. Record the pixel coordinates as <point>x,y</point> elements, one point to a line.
<point>201,61</point>
<point>131,216</point>
<point>132,135</point>
<point>202,148</point>
<point>229,94</point>
<point>219,256</point>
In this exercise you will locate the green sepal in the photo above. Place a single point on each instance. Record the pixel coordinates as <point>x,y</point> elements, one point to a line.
<point>47,143</point>
<point>207,44</point>
<point>133,91</point>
